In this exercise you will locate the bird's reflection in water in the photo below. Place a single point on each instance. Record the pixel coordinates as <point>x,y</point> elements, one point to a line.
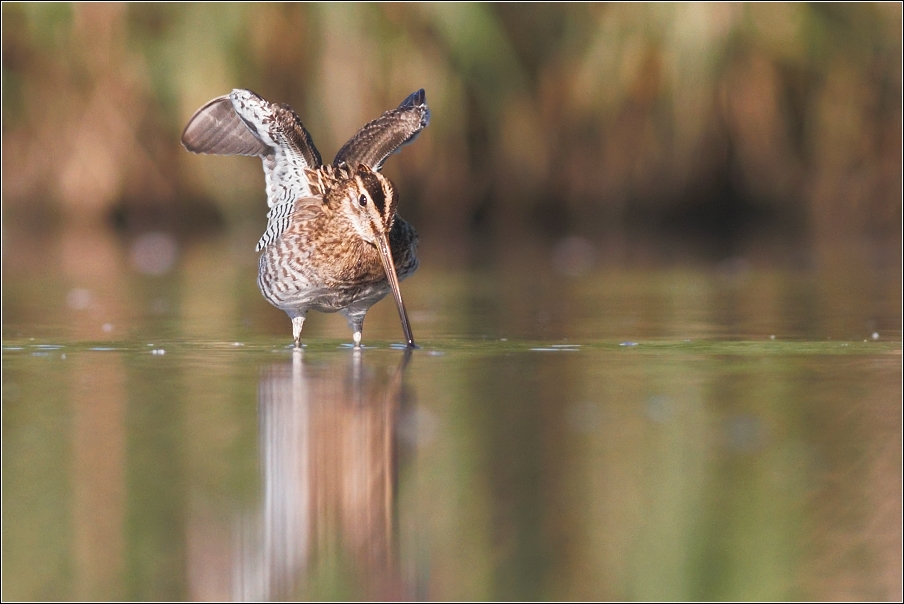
<point>328,465</point>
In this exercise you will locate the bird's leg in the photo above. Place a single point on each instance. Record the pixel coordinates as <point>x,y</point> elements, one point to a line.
<point>355,322</point>
<point>356,330</point>
<point>297,322</point>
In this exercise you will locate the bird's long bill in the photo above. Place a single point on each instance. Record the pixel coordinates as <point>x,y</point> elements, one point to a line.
<point>393,278</point>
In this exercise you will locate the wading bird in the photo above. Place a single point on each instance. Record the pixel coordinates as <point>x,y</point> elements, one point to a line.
<point>334,241</point>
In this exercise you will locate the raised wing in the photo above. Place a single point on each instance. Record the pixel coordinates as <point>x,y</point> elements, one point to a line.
<point>217,129</point>
<point>243,123</point>
<point>385,135</point>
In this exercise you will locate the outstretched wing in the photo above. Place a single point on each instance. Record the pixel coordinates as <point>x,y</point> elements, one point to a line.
<point>217,129</point>
<point>243,123</point>
<point>385,135</point>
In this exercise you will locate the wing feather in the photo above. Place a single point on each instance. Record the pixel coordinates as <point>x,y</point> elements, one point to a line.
<point>215,128</point>
<point>382,137</point>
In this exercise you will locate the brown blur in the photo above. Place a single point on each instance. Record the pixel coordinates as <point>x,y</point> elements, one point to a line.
<point>724,121</point>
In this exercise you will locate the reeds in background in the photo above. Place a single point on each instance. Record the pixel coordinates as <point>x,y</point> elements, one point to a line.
<point>723,118</point>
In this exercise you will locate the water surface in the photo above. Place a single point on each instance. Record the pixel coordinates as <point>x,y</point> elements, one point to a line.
<point>717,433</point>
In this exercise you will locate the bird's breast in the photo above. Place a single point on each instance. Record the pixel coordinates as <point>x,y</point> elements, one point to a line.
<point>329,269</point>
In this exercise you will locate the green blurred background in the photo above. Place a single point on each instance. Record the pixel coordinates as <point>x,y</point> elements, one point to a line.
<point>701,129</point>
<point>602,174</point>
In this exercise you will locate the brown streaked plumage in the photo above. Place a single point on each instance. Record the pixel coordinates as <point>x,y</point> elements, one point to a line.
<point>334,241</point>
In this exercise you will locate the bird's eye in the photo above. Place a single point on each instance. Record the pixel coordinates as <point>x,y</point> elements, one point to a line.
<point>362,200</point>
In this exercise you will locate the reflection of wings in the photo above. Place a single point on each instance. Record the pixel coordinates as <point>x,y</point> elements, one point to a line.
<point>243,123</point>
<point>385,135</point>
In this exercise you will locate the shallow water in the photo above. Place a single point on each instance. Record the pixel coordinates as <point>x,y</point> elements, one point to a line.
<point>716,433</point>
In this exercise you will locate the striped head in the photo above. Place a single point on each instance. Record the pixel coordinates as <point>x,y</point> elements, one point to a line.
<point>367,200</point>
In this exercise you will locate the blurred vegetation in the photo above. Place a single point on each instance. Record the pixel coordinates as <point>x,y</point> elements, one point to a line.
<point>587,119</point>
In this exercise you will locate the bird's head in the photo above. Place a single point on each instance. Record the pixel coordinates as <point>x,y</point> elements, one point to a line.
<point>368,200</point>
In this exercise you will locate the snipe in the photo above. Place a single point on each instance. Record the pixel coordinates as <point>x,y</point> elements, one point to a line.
<point>334,241</point>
